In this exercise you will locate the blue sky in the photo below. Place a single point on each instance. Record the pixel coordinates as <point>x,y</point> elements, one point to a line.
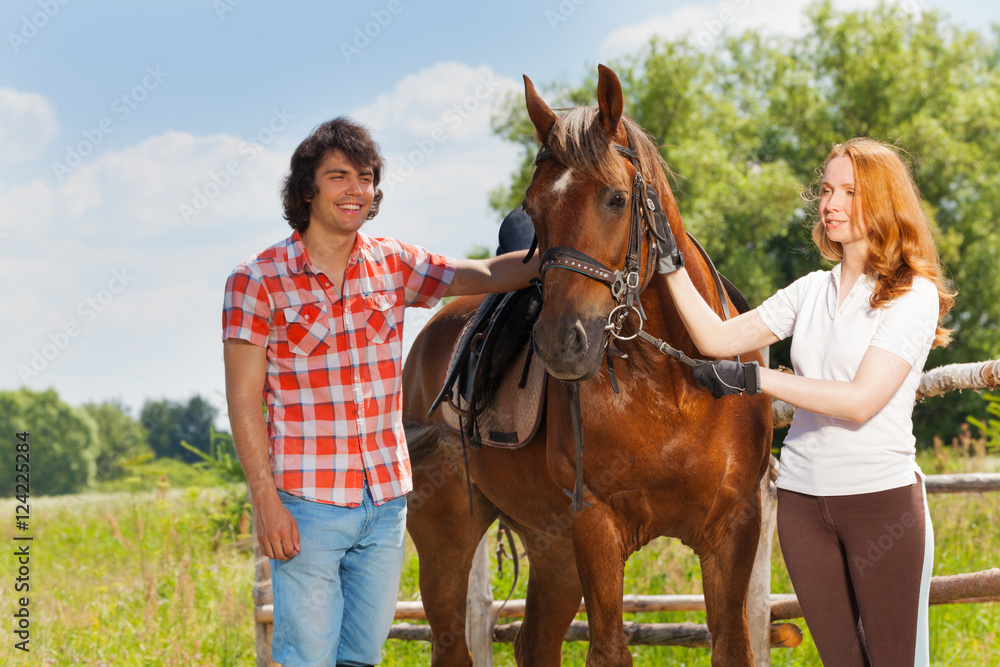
<point>142,145</point>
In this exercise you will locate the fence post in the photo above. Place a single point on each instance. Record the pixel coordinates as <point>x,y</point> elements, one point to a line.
<point>759,595</point>
<point>479,608</point>
<point>262,594</point>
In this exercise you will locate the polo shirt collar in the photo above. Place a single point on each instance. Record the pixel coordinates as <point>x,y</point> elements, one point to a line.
<point>861,289</point>
<point>869,280</point>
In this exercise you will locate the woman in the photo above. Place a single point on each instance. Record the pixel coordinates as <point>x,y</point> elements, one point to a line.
<point>852,512</point>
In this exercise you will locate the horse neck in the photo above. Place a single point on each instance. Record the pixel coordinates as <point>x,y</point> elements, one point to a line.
<point>662,319</point>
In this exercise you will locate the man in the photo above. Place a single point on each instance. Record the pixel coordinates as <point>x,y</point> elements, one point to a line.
<point>314,324</point>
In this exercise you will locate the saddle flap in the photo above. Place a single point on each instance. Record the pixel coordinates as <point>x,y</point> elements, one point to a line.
<point>461,349</point>
<point>491,364</point>
<point>508,333</point>
<point>513,416</point>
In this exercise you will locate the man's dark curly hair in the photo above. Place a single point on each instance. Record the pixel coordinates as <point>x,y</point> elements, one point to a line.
<point>340,134</point>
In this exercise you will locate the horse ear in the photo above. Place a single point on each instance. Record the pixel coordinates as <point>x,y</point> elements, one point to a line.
<point>610,100</point>
<point>542,117</point>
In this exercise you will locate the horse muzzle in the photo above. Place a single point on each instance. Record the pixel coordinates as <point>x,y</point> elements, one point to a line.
<point>570,348</point>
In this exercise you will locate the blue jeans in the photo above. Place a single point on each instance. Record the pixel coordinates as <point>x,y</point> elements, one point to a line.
<point>335,600</point>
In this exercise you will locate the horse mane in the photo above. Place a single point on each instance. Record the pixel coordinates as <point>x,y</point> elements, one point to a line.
<point>579,141</point>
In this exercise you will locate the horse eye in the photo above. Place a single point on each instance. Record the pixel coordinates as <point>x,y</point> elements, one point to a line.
<point>618,200</point>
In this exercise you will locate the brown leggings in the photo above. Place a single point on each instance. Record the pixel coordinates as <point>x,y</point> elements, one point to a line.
<point>859,567</point>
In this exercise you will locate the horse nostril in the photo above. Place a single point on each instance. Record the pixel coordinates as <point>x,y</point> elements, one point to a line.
<point>576,340</point>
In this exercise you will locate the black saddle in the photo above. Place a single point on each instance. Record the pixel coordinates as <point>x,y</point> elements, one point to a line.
<point>497,334</point>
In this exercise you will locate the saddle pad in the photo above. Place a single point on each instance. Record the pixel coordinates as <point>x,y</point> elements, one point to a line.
<point>512,416</point>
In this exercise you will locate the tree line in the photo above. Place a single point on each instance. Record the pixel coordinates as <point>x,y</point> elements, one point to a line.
<point>75,449</point>
<point>745,122</point>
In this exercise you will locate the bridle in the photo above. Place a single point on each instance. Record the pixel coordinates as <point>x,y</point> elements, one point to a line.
<point>626,283</point>
<point>646,220</point>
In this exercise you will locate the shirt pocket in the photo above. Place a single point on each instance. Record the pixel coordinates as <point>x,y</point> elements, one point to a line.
<point>380,320</point>
<point>307,329</point>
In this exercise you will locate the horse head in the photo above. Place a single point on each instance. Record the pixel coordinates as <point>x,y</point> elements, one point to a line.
<point>588,200</point>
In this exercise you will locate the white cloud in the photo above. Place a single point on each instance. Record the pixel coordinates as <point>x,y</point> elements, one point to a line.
<point>27,124</point>
<point>174,184</point>
<point>703,25</point>
<point>441,156</point>
<point>448,95</point>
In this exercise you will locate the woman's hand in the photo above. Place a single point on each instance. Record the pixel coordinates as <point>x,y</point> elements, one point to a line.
<point>726,377</point>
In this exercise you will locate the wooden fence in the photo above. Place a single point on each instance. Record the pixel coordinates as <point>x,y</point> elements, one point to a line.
<point>765,611</point>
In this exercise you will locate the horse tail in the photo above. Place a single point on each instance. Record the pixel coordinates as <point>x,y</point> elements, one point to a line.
<point>423,439</point>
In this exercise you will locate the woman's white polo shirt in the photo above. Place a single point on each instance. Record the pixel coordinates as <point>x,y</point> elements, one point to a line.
<point>826,456</point>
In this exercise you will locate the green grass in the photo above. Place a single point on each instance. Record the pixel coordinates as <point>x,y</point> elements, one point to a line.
<point>130,579</point>
<point>148,579</point>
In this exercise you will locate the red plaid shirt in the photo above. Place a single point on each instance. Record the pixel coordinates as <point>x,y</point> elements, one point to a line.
<point>334,364</point>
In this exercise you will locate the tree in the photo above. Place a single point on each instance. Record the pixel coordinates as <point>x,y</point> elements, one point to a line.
<point>169,423</point>
<point>745,124</point>
<point>64,442</point>
<point>122,439</point>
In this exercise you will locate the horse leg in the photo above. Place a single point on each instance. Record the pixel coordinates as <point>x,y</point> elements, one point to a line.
<point>600,559</point>
<point>725,571</point>
<point>446,538</point>
<point>553,598</point>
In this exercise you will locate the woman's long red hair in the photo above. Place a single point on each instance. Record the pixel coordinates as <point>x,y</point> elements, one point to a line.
<point>900,243</point>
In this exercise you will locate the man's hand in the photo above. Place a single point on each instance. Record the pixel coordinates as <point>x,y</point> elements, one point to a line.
<point>727,377</point>
<point>277,532</point>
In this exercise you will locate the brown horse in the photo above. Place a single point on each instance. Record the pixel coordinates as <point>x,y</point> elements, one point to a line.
<point>662,457</point>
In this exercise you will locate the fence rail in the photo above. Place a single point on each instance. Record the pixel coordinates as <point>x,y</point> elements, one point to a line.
<point>971,587</point>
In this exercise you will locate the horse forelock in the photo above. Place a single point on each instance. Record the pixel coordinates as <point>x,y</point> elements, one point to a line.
<point>579,141</point>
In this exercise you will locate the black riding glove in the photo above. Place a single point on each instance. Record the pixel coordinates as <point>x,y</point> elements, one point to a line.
<point>668,257</point>
<point>727,377</point>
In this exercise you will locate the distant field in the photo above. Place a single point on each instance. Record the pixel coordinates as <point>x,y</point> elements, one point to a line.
<point>144,579</point>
